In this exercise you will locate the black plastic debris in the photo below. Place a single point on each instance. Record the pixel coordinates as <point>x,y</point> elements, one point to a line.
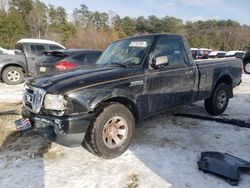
<point>223,165</point>
<point>236,122</point>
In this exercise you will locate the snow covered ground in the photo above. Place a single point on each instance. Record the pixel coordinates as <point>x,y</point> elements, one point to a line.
<point>164,152</point>
<point>11,94</point>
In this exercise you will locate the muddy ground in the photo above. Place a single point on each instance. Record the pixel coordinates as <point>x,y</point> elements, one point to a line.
<point>8,114</point>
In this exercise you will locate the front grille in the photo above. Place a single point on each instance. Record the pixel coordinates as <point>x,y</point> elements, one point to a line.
<point>33,98</point>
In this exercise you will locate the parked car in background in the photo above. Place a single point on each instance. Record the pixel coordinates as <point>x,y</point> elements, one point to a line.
<point>237,54</point>
<point>194,52</point>
<point>60,60</point>
<point>246,62</point>
<point>13,68</point>
<point>217,54</point>
<point>200,53</point>
<point>6,52</point>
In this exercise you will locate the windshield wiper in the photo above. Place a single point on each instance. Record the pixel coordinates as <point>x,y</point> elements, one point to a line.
<point>119,64</point>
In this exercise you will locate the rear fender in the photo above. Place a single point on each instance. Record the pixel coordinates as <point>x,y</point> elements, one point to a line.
<point>225,77</point>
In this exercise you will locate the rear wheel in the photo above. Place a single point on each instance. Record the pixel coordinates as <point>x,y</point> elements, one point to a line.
<point>111,133</point>
<point>217,103</point>
<point>247,67</point>
<point>13,75</point>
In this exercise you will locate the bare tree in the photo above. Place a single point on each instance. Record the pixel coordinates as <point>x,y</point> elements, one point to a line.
<point>4,4</point>
<point>37,20</point>
<point>92,37</point>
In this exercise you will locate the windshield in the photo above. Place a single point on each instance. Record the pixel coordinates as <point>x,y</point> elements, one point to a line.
<point>126,52</point>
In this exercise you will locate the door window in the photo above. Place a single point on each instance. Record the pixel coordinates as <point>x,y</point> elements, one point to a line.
<point>40,49</point>
<point>172,48</point>
<point>37,49</point>
<point>33,49</point>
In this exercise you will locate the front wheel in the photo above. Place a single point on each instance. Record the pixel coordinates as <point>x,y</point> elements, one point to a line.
<point>247,67</point>
<point>217,103</point>
<point>111,133</point>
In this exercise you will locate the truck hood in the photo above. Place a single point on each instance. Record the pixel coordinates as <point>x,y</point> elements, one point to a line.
<point>63,82</point>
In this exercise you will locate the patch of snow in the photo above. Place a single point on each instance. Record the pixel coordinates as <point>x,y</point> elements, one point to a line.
<point>11,93</point>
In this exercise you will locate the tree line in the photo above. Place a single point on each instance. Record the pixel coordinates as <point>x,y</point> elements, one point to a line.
<point>93,29</point>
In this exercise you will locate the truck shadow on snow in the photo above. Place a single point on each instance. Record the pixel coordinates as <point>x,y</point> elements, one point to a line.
<point>21,154</point>
<point>22,160</point>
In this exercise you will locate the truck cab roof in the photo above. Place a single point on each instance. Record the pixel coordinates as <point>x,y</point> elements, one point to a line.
<point>151,35</point>
<point>39,41</point>
<point>157,34</point>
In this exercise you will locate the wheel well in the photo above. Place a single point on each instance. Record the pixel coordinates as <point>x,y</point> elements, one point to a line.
<point>122,100</point>
<point>11,65</point>
<point>246,60</point>
<point>227,80</point>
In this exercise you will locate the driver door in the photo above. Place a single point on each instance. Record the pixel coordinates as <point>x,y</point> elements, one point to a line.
<point>173,84</point>
<point>36,50</point>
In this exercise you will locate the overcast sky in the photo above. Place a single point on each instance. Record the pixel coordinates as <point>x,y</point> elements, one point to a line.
<point>193,10</point>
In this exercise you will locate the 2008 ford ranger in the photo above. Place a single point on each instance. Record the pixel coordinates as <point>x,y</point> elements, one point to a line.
<point>133,79</point>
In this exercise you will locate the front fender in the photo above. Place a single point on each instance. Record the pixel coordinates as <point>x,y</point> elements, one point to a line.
<point>108,96</point>
<point>90,99</point>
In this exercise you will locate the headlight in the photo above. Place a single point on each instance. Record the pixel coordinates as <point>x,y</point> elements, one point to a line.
<point>54,102</point>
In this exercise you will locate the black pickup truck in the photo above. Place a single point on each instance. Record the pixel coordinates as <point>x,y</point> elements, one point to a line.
<point>133,79</point>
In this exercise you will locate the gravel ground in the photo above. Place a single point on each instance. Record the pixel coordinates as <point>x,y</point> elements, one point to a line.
<point>164,152</point>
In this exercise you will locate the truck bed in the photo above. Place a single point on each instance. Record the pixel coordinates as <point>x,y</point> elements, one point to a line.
<point>210,72</point>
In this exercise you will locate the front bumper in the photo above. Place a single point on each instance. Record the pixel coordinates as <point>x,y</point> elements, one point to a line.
<point>65,130</point>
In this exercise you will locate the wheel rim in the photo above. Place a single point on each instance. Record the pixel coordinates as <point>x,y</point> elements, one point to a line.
<point>13,76</point>
<point>247,67</point>
<point>115,132</point>
<point>221,99</point>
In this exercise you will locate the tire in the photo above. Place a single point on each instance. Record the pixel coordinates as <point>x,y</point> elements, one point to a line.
<point>217,103</point>
<point>247,67</point>
<point>111,133</point>
<point>13,75</point>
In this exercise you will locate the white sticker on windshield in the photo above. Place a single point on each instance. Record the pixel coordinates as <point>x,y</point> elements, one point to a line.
<point>141,44</point>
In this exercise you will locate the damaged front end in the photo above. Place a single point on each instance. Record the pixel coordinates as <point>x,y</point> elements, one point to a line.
<point>53,123</point>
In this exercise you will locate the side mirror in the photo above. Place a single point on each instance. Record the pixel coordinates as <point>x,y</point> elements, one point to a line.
<point>160,62</point>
